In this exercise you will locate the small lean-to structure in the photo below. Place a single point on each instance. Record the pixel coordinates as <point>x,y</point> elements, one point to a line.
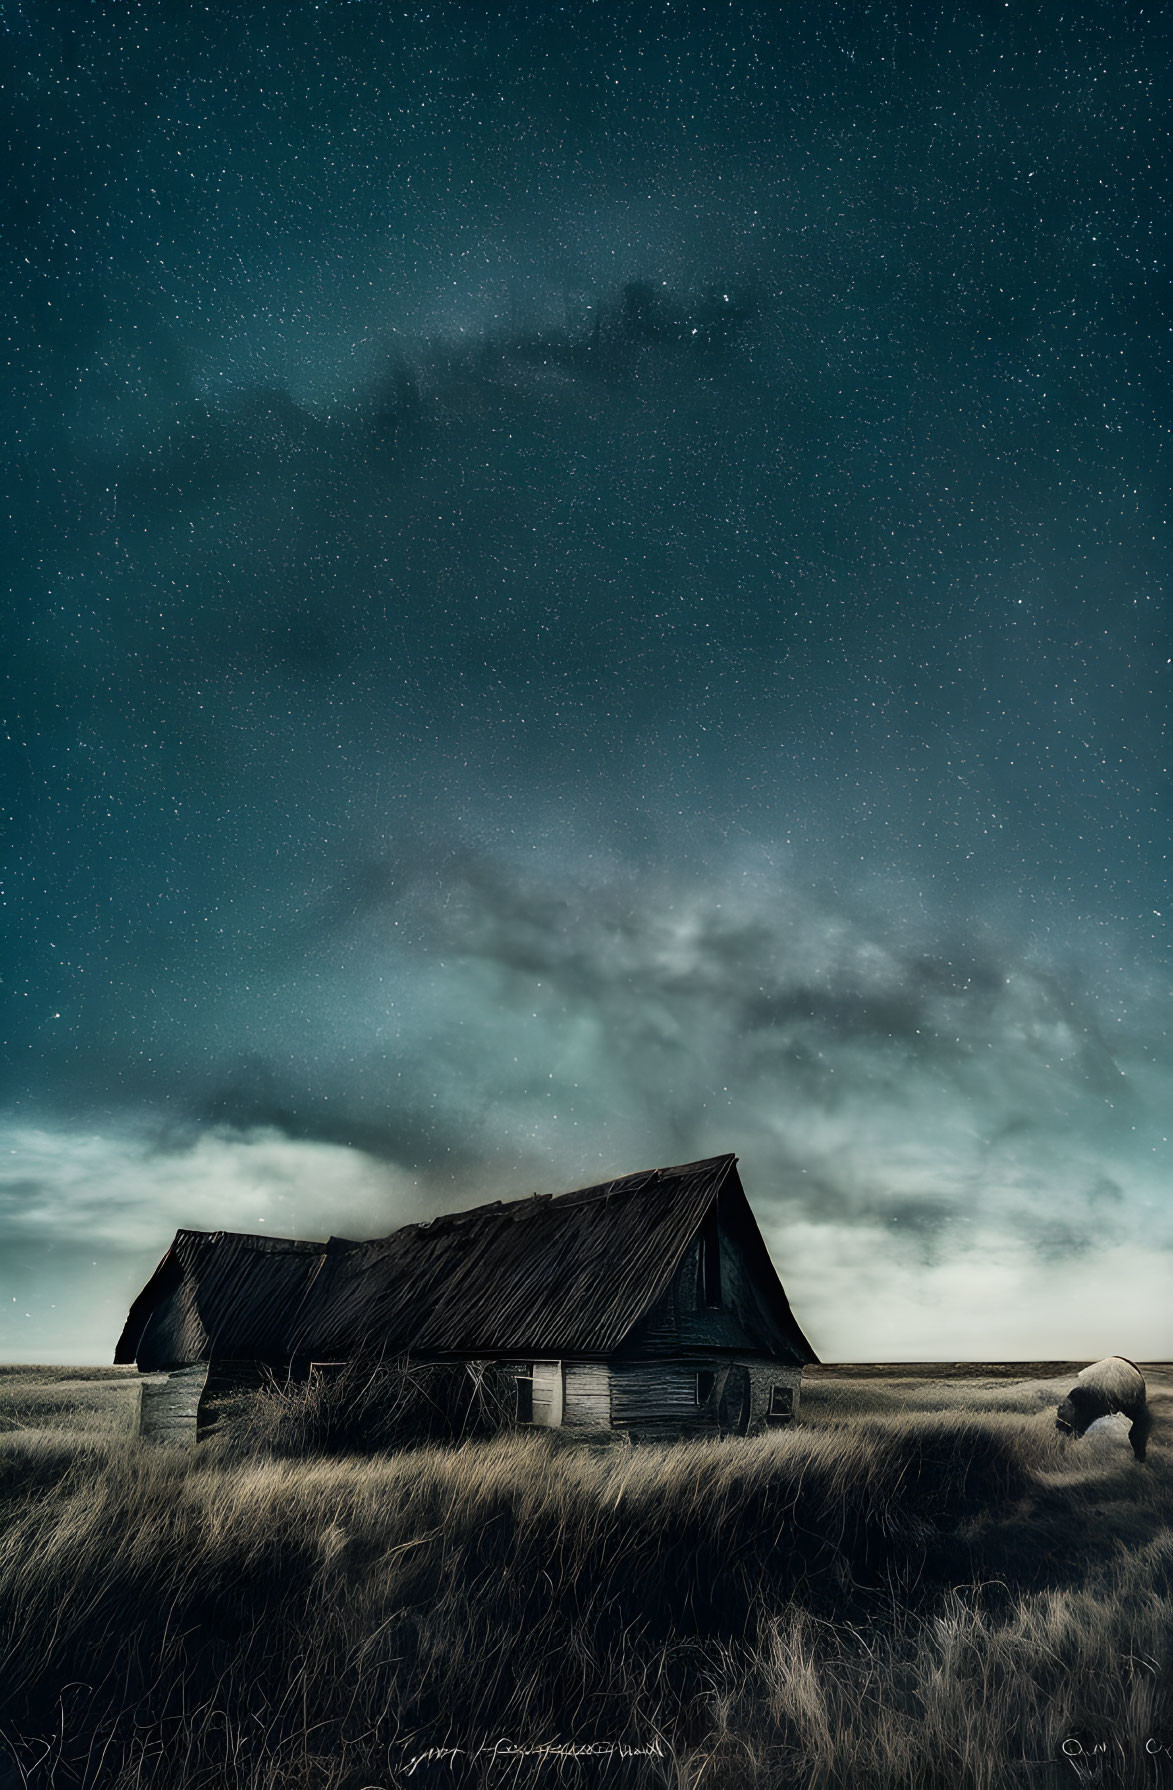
<point>647,1304</point>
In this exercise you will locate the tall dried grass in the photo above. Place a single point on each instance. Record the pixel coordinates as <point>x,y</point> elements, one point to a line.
<point>367,1407</point>
<point>877,1597</point>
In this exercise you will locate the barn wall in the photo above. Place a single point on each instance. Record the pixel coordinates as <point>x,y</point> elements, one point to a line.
<point>587,1396</point>
<point>573,1395</point>
<point>658,1397</point>
<point>741,1322</point>
<point>762,1378</point>
<point>754,1290</point>
<point>169,1407</point>
<point>654,1397</point>
<point>679,1321</point>
<point>709,1326</point>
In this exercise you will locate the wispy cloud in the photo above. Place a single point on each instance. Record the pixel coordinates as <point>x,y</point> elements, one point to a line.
<point>128,1189</point>
<point>914,1113</point>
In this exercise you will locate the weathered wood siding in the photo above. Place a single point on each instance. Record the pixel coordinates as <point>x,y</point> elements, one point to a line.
<point>653,1397</point>
<point>170,1405</point>
<point>680,1321</point>
<point>658,1397</point>
<point>713,1326</point>
<point>586,1395</point>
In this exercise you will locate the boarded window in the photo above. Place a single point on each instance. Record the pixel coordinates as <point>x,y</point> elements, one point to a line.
<point>525,1398</point>
<point>708,1268</point>
<point>706,1379</point>
<point>781,1401</point>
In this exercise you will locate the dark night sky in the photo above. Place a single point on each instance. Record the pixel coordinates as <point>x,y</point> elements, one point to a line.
<point>585,590</point>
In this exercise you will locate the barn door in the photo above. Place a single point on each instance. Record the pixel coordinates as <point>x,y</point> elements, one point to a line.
<point>733,1405</point>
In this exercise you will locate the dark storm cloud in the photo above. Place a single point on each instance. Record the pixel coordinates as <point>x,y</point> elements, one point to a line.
<point>790,965</point>
<point>328,620</point>
<point>981,1078</point>
<point>868,1076</point>
<point>585,590</point>
<point>255,1096</point>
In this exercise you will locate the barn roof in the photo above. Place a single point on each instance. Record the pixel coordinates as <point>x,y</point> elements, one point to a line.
<point>223,1293</point>
<point>560,1274</point>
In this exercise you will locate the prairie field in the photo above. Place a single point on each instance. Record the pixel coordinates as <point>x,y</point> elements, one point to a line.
<point>922,1583</point>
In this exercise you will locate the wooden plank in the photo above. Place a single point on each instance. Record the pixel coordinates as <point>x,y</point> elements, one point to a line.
<point>170,1404</point>
<point>657,1396</point>
<point>587,1395</point>
<point>660,1397</point>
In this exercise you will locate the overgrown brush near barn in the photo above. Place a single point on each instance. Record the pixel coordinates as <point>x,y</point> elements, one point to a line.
<point>870,1599</point>
<point>366,1407</point>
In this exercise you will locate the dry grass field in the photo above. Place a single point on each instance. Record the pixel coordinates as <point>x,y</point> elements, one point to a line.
<point>921,1584</point>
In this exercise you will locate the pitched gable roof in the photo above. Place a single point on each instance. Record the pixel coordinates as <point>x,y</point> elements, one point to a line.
<point>565,1274</point>
<point>223,1293</point>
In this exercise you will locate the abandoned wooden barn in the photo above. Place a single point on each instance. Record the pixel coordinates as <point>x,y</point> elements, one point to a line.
<point>648,1304</point>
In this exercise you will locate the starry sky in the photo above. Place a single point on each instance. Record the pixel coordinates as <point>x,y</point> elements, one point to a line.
<point>586,590</point>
